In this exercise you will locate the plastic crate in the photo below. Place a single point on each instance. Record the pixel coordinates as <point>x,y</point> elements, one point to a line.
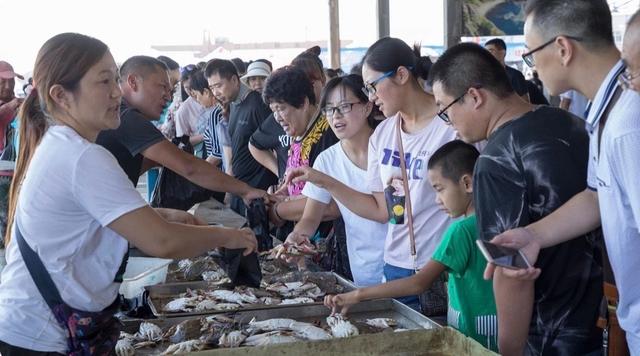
<point>142,272</point>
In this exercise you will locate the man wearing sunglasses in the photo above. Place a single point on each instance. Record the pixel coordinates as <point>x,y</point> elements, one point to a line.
<point>581,55</point>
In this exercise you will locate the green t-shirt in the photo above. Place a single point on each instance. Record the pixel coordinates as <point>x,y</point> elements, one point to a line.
<point>472,307</point>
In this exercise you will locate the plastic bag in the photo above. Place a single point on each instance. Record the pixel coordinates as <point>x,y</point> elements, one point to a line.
<point>259,222</point>
<point>174,191</point>
<point>242,270</point>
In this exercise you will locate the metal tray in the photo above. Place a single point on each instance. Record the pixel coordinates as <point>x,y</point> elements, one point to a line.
<point>159,295</point>
<point>406,317</point>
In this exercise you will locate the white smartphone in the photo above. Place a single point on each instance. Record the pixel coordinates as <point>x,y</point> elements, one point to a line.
<point>503,256</point>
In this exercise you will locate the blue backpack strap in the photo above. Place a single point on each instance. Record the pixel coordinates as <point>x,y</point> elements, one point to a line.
<point>38,272</point>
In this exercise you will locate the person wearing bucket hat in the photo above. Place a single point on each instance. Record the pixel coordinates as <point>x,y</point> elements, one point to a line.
<point>257,74</point>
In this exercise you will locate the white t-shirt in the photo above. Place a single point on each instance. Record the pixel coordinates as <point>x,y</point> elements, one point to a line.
<point>384,165</point>
<point>72,190</point>
<point>188,117</point>
<point>615,176</point>
<point>365,238</point>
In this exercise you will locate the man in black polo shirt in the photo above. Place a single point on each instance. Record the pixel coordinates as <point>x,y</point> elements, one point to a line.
<point>535,161</point>
<point>138,145</point>
<point>498,49</point>
<point>247,112</point>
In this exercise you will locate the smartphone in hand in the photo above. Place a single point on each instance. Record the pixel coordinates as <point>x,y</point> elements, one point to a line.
<point>503,256</point>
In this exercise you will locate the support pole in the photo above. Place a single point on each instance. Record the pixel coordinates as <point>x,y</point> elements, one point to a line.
<point>334,36</point>
<point>382,20</point>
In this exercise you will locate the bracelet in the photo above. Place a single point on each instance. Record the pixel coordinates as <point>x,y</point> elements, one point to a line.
<point>275,210</point>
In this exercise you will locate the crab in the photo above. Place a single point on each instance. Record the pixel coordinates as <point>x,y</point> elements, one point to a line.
<point>341,327</point>
<point>184,347</point>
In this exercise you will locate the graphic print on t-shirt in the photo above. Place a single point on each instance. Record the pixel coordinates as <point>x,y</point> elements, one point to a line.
<point>416,164</point>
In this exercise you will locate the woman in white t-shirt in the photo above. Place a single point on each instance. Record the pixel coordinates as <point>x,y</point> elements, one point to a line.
<point>349,114</point>
<point>72,203</point>
<point>391,71</point>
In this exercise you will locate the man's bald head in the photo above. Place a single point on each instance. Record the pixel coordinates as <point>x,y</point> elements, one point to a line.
<point>141,66</point>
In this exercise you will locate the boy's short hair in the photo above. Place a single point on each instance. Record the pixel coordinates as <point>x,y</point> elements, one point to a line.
<point>455,159</point>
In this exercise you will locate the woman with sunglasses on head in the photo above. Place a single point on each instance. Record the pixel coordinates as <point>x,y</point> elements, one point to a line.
<point>350,115</point>
<point>73,211</point>
<point>391,70</point>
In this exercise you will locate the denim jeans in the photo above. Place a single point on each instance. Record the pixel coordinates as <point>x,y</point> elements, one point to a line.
<point>391,273</point>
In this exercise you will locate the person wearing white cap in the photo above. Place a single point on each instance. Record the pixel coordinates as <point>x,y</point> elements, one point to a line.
<point>257,74</point>
<point>9,104</point>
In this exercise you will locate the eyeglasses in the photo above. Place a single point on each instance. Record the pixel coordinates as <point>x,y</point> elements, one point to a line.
<point>442,114</point>
<point>370,88</point>
<point>528,57</point>
<point>345,108</point>
<point>626,78</point>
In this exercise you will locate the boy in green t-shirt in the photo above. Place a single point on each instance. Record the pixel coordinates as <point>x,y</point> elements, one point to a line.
<point>472,308</point>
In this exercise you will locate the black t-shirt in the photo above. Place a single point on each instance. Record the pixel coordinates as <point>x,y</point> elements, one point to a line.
<point>135,134</point>
<point>529,168</point>
<point>244,119</point>
<point>270,136</point>
<point>535,94</point>
<point>517,80</point>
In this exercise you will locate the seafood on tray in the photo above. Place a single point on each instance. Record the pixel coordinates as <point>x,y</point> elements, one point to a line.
<point>289,249</point>
<point>201,268</point>
<point>340,326</point>
<point>222,331</point>
<point>278,293</point>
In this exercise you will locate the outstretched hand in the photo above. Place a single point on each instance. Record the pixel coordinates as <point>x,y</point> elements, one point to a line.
<point>341,303</point>
<point>528,243</point>
<point>305,174</point>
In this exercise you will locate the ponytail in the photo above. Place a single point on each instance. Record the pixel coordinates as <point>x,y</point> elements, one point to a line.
<point>423,63</point>
<point>33,125</point>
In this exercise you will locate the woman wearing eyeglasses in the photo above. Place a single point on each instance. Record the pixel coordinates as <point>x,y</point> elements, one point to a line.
<point>391,70</point>
<point>349,113</point>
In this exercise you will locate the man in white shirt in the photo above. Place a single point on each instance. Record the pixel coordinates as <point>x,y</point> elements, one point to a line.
<point>582,55</point>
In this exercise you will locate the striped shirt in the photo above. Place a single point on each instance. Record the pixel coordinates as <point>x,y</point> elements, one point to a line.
<point>213,147</point>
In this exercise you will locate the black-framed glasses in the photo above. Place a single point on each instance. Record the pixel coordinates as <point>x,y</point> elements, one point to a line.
<point>528,56</point>
<point>442,114</point>
<point>627,77</point>
<point>370,88</point>
<point>344,108</point>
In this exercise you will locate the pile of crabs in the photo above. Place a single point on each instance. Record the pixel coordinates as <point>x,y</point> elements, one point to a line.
<point>220,331</point>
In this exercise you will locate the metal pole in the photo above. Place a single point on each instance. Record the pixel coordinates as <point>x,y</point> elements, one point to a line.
<point>382,20</point>
<point>453,22</point>
<point>334,36</point>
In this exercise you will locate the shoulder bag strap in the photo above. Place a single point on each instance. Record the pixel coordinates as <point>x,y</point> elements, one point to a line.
<point>407,194</point>
<point>38,272</point>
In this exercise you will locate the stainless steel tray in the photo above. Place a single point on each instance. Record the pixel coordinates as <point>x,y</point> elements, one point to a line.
<point>406,317</point>
<point>161,294</point>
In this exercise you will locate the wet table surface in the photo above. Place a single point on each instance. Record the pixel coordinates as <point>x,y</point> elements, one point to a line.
<point>212,211</point>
